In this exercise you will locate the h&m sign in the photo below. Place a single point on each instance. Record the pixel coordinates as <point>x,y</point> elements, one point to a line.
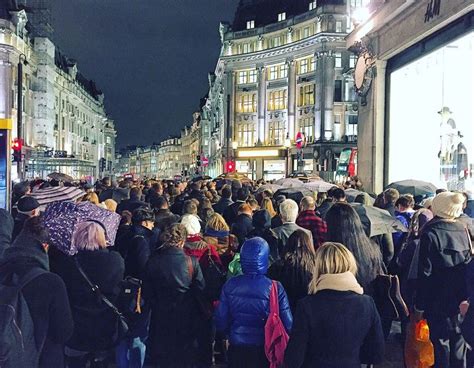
<point>433,9</point>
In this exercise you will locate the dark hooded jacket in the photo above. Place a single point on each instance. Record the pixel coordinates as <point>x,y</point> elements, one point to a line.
<point>46,297</point>
<point>6,229</point>
<point>245,300</point>
<point>262,223</point>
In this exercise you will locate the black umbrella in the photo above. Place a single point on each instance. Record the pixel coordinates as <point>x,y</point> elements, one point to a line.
<point>377,221</point>
<point>295,194</point>
<point>417,188</point>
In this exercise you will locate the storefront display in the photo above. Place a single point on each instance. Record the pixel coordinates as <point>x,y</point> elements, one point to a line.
<point>273,169</point>
<point>431,117</point>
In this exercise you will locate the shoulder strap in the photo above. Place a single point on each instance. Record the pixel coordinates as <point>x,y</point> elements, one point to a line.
<point>274,305</point>
<point>95,288</point>
<point>469,241</point>
<point>30,276</point>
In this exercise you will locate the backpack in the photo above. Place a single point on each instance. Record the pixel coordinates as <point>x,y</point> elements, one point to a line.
<point>130,300</point>
<point>215,278</point>
<point>17,340</point>
<point>276,337</point>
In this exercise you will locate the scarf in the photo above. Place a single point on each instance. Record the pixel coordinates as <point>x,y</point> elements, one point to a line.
<point>216,233</point>
<point>340,282</point>
<point>193,238</point>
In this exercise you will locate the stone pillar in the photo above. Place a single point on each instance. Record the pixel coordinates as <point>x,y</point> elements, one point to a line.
<point>324,102</point>
<point>229,105</point>
<point>5,89</point>
<point>318,96</point>
<point>261,108</point>
<point>291,98</point>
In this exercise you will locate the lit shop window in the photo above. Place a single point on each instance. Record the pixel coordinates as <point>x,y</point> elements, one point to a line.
<point>247,103</point>
<point>312,5</point>
<point>247,76</point>
<point>306,95</point>
<point>281,16</point>
<point>338,59</point>
<point>250,24</point>
<point>278,72</point>
<point>277,100</point>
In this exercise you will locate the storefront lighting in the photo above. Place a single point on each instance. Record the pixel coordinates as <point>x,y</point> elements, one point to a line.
<point>235,145</point>
<point>287,141</point>
<point>257,153</point>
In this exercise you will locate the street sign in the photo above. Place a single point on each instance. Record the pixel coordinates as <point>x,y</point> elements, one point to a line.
<point>299,140</point>
<point>205,161</point>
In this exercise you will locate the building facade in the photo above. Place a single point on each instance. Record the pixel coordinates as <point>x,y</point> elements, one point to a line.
<point>170,158</point>
<point>415,78</point>
<point>191,147</point>
<point>284,68</point>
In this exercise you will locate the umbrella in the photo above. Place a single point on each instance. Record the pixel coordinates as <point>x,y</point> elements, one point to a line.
<point>56,194</point>
<point>289,182</point>
<point>351,194</point>
<point>200,177</point>
<point>272,187</point>
<point>61,177</point>
<point>295,194</point>
<point>318,186</point>
<point>417,188</point>
<point>61,218</point>
<point>377,221</point>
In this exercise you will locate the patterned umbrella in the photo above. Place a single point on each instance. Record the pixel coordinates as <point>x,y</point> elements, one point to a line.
<point>61,218</point>
<point>56,194</point>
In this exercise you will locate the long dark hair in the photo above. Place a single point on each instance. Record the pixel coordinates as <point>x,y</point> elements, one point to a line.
<point>300,251</point>
<point>345,227</point>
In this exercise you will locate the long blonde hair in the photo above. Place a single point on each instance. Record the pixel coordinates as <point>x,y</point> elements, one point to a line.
<point>331,258</point>
<point>217,222</point>
<point>268,205</point>
<point>89,235</point>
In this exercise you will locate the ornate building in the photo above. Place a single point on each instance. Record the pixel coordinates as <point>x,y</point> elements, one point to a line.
<point>170,158</point>
<point>191,146</point>
<point>283,69</point>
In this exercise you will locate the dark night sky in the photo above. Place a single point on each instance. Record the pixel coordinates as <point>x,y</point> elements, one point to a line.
<point>150,57</point>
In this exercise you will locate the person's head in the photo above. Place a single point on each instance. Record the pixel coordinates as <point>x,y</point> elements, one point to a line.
<point>89,236</point>
<point>364,198</point>
<point>107,182</point>
<point>226,191</point>
<point>29,206</point>
<point>135,194</point>
<point>322,196</point>
<point>161,203</point>
<point>267,193</point>
<point>338,195</point>
<point>267,204</point>
<point>261,220</point>
<point>418,220</point>
<point>288,210</point>
<point>332,258</point>
<point>390,196</point>
<point>206,203</point>
<point>448,205</point>
<point>440,190</point>
<point>191,223</point>
<point>91,197</point>
<point>144,217</point>
<point>34,233</point>
<point>216,222</point>
<point>466,199</point>
<point>206,214</point>
<point>189,207</point>
<point>110,204</point>
<point>307,204</point>
<point>254,256</point>
<point>242,194</point>
<point>157,188</point>
<point>404,203</point>
<point>245,209</point>
<point>175,236</point>
<point>253,204</point>
<point>126,218</point>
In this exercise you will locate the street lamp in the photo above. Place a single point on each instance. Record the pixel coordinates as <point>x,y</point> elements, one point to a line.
<point>287,146</point>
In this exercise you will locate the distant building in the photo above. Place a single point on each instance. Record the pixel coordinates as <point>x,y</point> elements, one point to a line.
<point>191,146</point>
<point>170,158</point>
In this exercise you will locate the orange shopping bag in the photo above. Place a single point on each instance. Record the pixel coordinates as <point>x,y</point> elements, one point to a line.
<point>419,352</point>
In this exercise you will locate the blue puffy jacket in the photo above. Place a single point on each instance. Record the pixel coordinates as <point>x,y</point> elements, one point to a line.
<point>244,303</point>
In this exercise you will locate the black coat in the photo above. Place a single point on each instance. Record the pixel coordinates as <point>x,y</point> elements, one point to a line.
<point>223,203</point>
<point>164,218</point>
<point>242,227</point>
<point>131,205</point>
<point>94,321</point>
<point>136,251</point>
<point>231,212</point>
<point>46,298</point>
<point>335,329</point>
<point>19,222</point>
<point>6,229</point>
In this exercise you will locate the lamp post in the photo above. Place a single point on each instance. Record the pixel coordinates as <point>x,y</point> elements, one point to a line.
<point>287,146</point>
<point>21,61</point>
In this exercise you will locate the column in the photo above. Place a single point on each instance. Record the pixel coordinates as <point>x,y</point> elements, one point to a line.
<point>5,129</point>
<point>262,98</point>
<point>318,100</point>
<point>229,96</point>
<point>5,91</point>
<point>329,85</point>
<point>291,98</point>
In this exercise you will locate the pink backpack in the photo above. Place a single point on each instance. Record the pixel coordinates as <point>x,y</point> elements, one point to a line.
<point>276,338</point>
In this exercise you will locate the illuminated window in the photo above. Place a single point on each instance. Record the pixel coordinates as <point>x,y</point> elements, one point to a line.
<point>306,95</point>
<point>312,65</point>
<point>246,133</point>
<point>250,24</point>
<point>338,26</point>
<point>303,66</point>
<point>246,48</point>
<point>247,76</point>
<point>306,32</point>
<point>277,41</point>
<point>278,72</point>
<point>247,103</point>
<point>338,59</point>
<point>281,16</point>
<point>283,70</point>
<point>276,133</point>
<point>273,73</point>
<point>352,61</point>
<point>252,76</point>
<point>306,126</point>
<point>277,100</point>
<point>312,5</point>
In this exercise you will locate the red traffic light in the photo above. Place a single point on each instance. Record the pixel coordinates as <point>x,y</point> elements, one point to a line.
<point>230,166</point>
<point>17,144</point>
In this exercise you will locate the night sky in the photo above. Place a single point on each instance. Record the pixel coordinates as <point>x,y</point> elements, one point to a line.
<point>150,57</point>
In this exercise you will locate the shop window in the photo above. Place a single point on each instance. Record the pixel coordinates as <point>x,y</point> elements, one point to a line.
<point>250,24</point>
<point>338,60</point>
<point>277,100</point>
<point>306,95</point>
<point>276,133</point>
<point>338,91</point>
<point>281,17</point>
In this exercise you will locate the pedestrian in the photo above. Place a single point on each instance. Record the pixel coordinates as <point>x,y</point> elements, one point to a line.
<point>27,207</point>
<point>217,233</point>
<point>171,280</point>
<point>231,212</point>
<point>444,253</point>
<point>45,294</point>
<point>6,229</point>
<point>337,325</point>
<point>288,214</point>
<point>326,203</point>
<point>91,197</point>
<point>243,223</point>
<point>308,220</point>
<point>225,200</point>
<point>134,202</point>
<point>390,197</point>
<point>244,307</point>
<point>95,330</point>
<point>295,269</point>
<point>261,222</point>
<point>163,216</point>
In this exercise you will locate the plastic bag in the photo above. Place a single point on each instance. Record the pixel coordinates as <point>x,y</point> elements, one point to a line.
<point>235,269</point>
<point>419,352</point>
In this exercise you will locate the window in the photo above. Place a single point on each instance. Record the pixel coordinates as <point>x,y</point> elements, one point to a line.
<point>281,16</point>
<point>306,126</point>
<point>250,24</point>
<point>246,48</point>
<point>312,5</point>
<point>108,140</point>
<point>306,32</point>
<point>63,123</point>
<point>306,95</point>
<point>338,59</point>
<point>246,134</point>
<point>338,91</point>
<point>273,73</point>
<point>247,103</point>
<point>277,100</point>
<point>303,65</point>
<point>277,41</point>
<point>338,26</point>
<point>247,76</point>
<point>278,72</point>
<point>252,76</point>
<point>283,69</point>
<point>276,133</point>
<point>352,61</point>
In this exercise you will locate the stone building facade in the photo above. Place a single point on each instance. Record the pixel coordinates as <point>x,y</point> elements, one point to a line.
<point>170,158</point>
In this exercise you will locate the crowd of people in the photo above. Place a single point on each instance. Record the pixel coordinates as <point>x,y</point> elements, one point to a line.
<point>188,280</point>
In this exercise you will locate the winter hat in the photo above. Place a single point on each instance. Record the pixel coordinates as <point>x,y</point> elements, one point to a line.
<point>448,205</point>
<point>191,223</point>
<point>261,220</point>
<point>27,204</point>
<point>428,202</point>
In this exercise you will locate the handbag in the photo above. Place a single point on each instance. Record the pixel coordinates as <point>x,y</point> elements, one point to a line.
<point>388,298</point>
<point>121,326</point>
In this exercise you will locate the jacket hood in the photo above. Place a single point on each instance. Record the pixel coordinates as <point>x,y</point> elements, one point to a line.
<point>24,252</point>
<point>6,229</point>
<point>261,219</point>
<point>254,256</point>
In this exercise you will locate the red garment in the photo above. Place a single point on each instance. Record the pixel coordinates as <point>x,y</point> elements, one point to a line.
<point>200,250</point>
<point>310,221</point>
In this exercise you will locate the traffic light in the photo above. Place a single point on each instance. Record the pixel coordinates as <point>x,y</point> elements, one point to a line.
<point>230,166</point>
<point>17,145</point>
<point>102,164</point>
<point>198,160</point>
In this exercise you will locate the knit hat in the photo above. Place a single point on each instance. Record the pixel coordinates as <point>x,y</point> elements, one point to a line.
<point>428,202</point>
<point>191,223</point>
<point>448,205</point>
<point>27,204</point>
